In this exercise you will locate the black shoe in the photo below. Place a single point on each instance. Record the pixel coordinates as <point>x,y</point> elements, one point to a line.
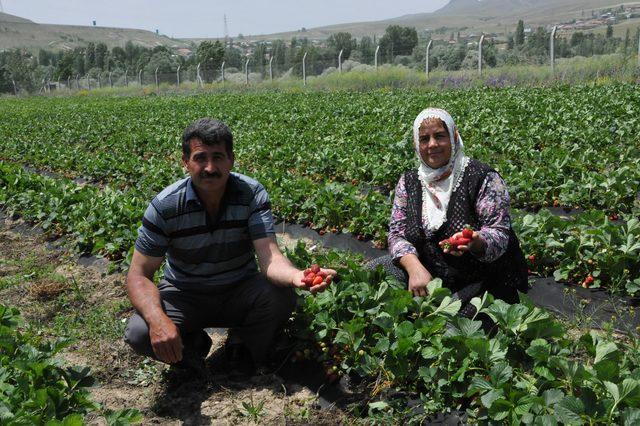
<point>239,361</point>
<point>200,342</point>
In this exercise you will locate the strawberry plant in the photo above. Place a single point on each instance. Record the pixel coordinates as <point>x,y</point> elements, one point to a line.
<point>523,370</point>
<point>35,387</point>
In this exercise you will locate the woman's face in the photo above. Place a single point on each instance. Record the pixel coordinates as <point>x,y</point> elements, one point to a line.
<point>434,143</point>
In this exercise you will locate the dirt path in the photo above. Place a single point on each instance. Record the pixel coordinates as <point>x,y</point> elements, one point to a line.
<point>64,297</point>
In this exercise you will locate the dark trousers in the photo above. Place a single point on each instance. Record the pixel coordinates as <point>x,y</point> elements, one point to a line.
<point>254,310</point>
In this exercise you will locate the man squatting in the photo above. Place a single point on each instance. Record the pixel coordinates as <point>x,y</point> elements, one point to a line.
<point>210,227</point>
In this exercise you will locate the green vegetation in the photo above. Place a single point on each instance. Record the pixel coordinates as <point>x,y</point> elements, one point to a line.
<point>331,160</point>
<point>34,386</point>
<point>94,65</point>
<point>566,146</point>
<point>526,370</point>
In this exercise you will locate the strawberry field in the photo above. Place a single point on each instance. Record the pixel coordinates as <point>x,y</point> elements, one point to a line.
<point>331,161</point>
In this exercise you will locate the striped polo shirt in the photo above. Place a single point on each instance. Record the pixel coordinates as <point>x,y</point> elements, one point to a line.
<point>202,251</point>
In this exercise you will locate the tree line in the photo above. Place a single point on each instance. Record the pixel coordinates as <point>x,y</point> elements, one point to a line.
<point>399,46</point>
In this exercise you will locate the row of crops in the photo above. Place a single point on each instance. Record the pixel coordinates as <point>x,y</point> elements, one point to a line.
<point>331,160</point>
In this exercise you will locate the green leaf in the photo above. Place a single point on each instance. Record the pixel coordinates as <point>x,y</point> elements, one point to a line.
<point>490,397</point>
<point>631,416</point>
<point>378,405</point>
<point>604,349</point>
<point>569,410</point>
<point>478,383</point>
<point>384,321</point>
<point>613,390</point>
<point>404,329</point>
<point>501,373</point>
<point>448,306</point>
<point>552,396</point>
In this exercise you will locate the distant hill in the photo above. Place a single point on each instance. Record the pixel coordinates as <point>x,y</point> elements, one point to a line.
<point>5,17</point>
<point>490,16</point>
<point>19,32</point>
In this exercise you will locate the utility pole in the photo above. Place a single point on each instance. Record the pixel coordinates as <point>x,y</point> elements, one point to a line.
<point>226,31</point>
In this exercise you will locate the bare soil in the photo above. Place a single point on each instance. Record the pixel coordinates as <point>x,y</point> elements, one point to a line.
<point>65,297</point>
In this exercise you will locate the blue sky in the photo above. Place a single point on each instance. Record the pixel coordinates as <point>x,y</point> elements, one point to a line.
<point>202,18</point>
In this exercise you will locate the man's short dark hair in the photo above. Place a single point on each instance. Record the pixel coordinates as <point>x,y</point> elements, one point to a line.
<point>210,132</point>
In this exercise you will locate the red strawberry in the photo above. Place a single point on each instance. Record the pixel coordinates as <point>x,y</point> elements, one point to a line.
<point>307,272</point>
<point>467,232</point>
<point>322,274</point>
<point>317,280</point>
<point>463,241</point>
<point>532,258</point>
<point>315,268</point>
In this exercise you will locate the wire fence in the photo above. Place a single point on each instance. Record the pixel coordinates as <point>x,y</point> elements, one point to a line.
<point>305,65</point>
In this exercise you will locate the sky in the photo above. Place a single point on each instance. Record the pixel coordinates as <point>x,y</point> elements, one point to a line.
<point>205,18</point>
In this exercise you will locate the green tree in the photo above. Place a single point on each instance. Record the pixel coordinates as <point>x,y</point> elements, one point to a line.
<point>102,52</point>
<point>233,58</point>
<point>398,40</point>
<point>119,57</point>
<point>90,56</point>
<point>367,49</point>
<point>342,41</point>
<point>210,55</point>
<point>519,37</point>
<point>44,57</point>
<point>259,58</point>
<point>166,64</point>
<point>609,31</point>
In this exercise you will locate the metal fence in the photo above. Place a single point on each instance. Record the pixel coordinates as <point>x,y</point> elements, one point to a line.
<point>307,64</point>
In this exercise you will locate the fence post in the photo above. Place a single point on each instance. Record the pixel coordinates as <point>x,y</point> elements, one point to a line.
<point>426,66</point>
<point>100,80</point>
<point>222,71</point>
<point>271,69</point>
<point>375,58</point>
<point>126,78</point>
<point>77,82</point>
<point>552,45</point>
<point>198,75</point>
<point>88,82</point>
<point>140,77</point>
<point>638,51</point>
<point>15,88</point>
<point>69,83</point>
<point>58,86</point>
<point>304,69</point>
<point>480,54</point>
<point>340,61</point>
<point>246,71</point>
<point>110,81</point>
<point>156,77</point>
<point>178,76</point>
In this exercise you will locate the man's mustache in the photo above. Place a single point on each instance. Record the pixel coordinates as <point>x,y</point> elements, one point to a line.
<point>210,175</point>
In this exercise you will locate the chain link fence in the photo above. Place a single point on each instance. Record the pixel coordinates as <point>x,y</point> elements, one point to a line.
<point>301,64</point>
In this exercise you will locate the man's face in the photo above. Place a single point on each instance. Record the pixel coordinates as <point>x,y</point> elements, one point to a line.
<point>209,166</point>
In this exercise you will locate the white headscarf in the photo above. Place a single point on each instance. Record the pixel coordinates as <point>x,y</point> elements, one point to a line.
<point>438,184</point>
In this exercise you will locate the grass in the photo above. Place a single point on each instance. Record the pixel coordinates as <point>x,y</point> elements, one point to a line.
<point>598,70</point>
